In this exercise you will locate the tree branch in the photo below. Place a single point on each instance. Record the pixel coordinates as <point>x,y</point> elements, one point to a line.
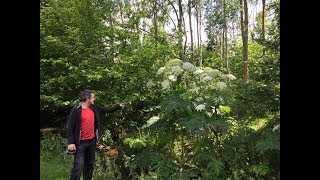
<point>175,26</point>
<point>175,10</point>
<point>150,32</point>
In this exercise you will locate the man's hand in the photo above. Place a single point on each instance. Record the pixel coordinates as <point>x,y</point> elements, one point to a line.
<point>71,147</point>
<point>122,105</point>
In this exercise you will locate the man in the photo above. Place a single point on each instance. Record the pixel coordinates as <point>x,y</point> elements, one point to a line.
<point>82,133</point>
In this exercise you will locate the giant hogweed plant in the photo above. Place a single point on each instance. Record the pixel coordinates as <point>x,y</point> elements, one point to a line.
<point>193,98</point>
<point>193,110</point>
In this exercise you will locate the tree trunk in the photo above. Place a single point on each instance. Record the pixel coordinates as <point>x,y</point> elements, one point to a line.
<point>197,23</point>
<point>155,20</point>
<point>144,27</point>
<point>233,30</point>
<point>221,48</point>
<point>185,34</point>
<point>175,13</point>
<point>112,48</point>
<point>191,34</point>
<point>200,40</point>
<point>263,30</point>
<point>244,33</point>
<point>225,37</point>
<point>123,40</point>
<point>180,33</point>
<point>121,12</point>
<point>222,36</point>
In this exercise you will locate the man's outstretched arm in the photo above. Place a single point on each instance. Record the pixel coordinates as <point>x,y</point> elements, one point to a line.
<point>111,109</point>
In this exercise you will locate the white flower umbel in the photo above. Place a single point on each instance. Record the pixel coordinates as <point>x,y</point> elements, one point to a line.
<point>215,72</point>
<point>200,107</point>
<point>187,65</point>
<point>214,110</point>
<point>276,127</point>
<point>208,69</point>
<point>176,69</point>
<point>153,119</point>
<point>150,84</point>
<point>161,70</point>
<point>231,77</point>
<point>221,85</point>
<point>211,72</point>
<point>165,84</point>
<point>224,77</point>
<point>194,88</point>
<point>218,100</point>
<point>199,99</point>
<point>198,71</point>
<point>172,78</point>
<point>206,78</point>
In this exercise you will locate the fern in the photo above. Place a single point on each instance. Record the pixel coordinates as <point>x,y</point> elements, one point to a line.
<point>195,125</point>
<point>259,170</point>
<point>184,174</point>
<point>176,104</point>
<point>209,165</point>
<point>219,123</point>
<point>152,163</point>
<point>144,161</point>
<point>215,167</point>
<point>166,166</point>
<point>270,142</point>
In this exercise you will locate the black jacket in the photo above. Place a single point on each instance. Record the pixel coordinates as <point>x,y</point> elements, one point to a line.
<point>73,131</point>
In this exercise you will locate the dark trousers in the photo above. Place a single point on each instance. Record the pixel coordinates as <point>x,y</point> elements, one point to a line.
<point>84,160</point>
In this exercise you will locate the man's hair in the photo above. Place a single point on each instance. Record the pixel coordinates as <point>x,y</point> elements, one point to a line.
<point>86,94</point>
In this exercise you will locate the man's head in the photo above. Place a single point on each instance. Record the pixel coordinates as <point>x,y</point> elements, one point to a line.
<point>88,96</point>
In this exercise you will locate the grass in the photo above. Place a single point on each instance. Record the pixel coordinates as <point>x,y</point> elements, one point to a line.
<point>55,166</point>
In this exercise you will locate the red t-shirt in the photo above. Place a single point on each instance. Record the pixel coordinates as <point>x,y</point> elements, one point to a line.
<point>87,124</point>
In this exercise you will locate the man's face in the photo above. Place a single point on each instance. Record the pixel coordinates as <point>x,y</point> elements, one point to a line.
<point>91,100</point>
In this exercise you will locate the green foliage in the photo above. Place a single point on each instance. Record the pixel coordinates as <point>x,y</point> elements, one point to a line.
<point>159,164</point>
<point>104,170</point>
<point>149,176</point>
<point>209,165</point>
<point>185,174</point>
<point>255,100</point>
<point>145,161</point>
<point>166,166</point>
<point>106,138</point>
<point>224,109</point>
<point>53,144</point>
<point>137,143</point>
<point>174,62</point>
<point>181,121</point>
<point>259,170</point>
<point>55,163</point>
<point>270,142</point>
